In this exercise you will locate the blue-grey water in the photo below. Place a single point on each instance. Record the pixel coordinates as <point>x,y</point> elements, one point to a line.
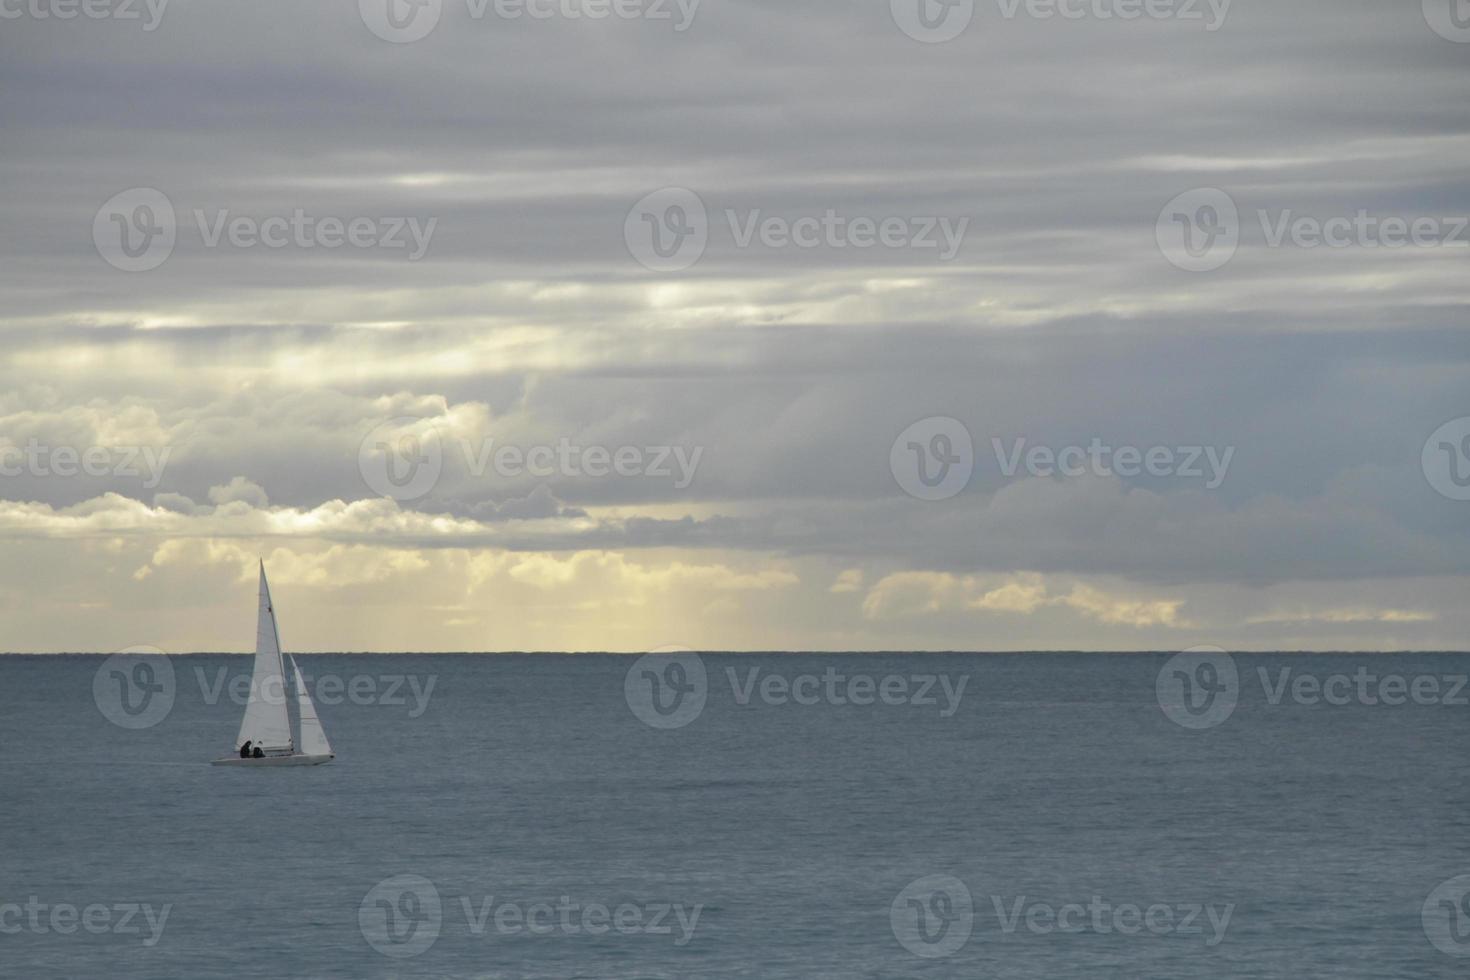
<point>525,793</point>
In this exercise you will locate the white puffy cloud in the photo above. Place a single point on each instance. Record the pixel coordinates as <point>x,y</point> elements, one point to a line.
<point>926,593</point>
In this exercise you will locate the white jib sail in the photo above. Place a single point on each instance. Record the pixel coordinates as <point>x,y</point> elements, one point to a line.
<point>267,722</point>
<point>313,739</point>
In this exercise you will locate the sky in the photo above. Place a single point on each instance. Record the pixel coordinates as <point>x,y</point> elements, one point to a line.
<point>735,325</point>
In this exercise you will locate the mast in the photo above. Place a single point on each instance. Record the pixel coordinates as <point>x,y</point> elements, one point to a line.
<point>280,665</point>
<point>267,721</point>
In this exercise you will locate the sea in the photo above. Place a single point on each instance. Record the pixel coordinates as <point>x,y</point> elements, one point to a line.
<point>689,815</point>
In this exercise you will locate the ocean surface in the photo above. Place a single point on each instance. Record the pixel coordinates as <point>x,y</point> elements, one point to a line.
<point>740,816</point>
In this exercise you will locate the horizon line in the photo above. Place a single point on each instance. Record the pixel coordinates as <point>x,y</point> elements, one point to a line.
<point>634,653</point>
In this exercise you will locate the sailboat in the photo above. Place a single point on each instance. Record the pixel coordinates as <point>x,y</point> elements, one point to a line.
<point>267,721</point>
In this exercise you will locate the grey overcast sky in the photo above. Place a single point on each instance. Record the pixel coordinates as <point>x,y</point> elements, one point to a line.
<point>614,324</point>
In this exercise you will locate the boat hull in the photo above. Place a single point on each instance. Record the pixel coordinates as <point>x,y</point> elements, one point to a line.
<point>276,760</point>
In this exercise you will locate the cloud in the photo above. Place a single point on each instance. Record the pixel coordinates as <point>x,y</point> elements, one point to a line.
<point>1129,612</point>
<point>1023,595</point>
<point>1350,615</point>
<point>239,490</point>
<point>909,594</point>
<point>231,389</point>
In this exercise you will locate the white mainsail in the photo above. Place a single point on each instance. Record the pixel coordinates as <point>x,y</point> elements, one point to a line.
<point>313,739</point>
<point>267,722</point>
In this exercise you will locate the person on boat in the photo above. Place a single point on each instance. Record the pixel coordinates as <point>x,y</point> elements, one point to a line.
<point>245,749</point>
<point>257,753</point>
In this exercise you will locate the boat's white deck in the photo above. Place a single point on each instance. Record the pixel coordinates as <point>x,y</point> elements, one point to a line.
<point>276,760</point>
